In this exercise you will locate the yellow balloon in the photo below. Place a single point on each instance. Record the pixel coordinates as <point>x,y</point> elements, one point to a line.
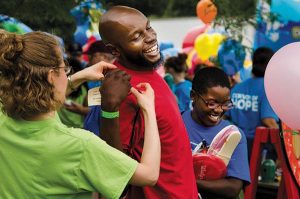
<point>217,40</point>
<point>218,37</point>
<point>203,45</point>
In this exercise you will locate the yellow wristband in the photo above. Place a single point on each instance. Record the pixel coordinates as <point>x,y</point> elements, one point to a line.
<point>109,115</point>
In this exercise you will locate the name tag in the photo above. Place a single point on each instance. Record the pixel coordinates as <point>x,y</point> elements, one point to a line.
<point>94,97</point>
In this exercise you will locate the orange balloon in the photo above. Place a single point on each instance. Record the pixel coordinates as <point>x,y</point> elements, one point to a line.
<point>206,11</point>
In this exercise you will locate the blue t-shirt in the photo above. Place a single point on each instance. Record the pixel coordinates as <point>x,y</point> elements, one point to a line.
<point>238,165</point>
<point>245,73</point>
<point>250,106</point>
<point>92,120</point>
<point>182,92</point>
<point>93,84</point>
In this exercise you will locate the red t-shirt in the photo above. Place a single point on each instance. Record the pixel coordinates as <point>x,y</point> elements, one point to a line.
<point>176,179</point>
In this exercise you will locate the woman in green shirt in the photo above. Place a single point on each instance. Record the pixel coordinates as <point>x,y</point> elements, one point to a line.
<point>41,157</point>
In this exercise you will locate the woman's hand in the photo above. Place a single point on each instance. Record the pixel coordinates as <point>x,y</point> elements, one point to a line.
<point>145,96</point>
<point>97,71</point>
<point>147,171</point>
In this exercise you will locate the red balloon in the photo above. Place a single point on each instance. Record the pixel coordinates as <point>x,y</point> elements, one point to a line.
<point>191,35</point>
<point>206,11</point>
<point>208,167</point>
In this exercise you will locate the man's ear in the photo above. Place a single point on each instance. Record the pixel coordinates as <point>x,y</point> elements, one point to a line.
<point>114,51</point>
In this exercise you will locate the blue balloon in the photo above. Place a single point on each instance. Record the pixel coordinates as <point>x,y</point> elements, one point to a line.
<point>231,56</point>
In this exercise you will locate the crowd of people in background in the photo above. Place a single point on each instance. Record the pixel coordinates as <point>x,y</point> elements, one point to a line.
<point>183,110</point>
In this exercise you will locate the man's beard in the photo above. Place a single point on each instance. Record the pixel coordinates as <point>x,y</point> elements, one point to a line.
<point>142,62</point>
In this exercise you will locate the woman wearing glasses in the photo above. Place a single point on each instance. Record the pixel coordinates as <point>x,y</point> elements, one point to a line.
<point>41,157</point>
<point>75,108</point>
<point>210,100</point>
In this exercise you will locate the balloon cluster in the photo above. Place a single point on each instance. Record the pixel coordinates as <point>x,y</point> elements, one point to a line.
<point>188,45</point>
<point>200,44</point>
<point>87,15</point>
<point>230,53</point>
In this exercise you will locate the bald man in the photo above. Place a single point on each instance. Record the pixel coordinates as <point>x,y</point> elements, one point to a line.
<point>131,39</point>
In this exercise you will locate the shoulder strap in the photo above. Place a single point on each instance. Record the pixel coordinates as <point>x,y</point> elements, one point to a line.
<point>131,143</point>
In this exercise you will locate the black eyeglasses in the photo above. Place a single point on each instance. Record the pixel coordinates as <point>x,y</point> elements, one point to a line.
<point>213,105</point>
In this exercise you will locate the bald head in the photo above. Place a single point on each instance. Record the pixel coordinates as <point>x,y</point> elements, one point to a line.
<point>129,36</point>
<point>114,18</point>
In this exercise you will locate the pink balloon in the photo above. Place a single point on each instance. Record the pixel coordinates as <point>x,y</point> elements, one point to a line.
<point>192,34</point>
<point>282,84</point>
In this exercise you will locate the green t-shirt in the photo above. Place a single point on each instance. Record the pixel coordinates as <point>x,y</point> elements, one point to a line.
<point>73,119</point>
<point>46,159</point>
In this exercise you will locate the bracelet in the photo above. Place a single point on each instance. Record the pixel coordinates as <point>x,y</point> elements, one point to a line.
<point>70,83</point>
<point>109,115</point>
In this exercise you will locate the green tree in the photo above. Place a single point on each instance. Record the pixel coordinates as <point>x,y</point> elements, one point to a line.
<point>54,16</point>
<point>147,7</point>
<point>50,16</point>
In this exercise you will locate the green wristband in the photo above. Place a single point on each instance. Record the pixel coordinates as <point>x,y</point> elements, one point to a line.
<point>109,115</point>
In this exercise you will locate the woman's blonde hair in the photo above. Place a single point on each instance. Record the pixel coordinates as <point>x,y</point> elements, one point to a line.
<point>25,61</point>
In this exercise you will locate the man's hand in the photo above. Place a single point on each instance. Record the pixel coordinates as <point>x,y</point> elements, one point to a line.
<point>114,89</point>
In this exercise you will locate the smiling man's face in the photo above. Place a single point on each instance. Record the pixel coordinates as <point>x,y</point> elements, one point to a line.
<point>133,38</point>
